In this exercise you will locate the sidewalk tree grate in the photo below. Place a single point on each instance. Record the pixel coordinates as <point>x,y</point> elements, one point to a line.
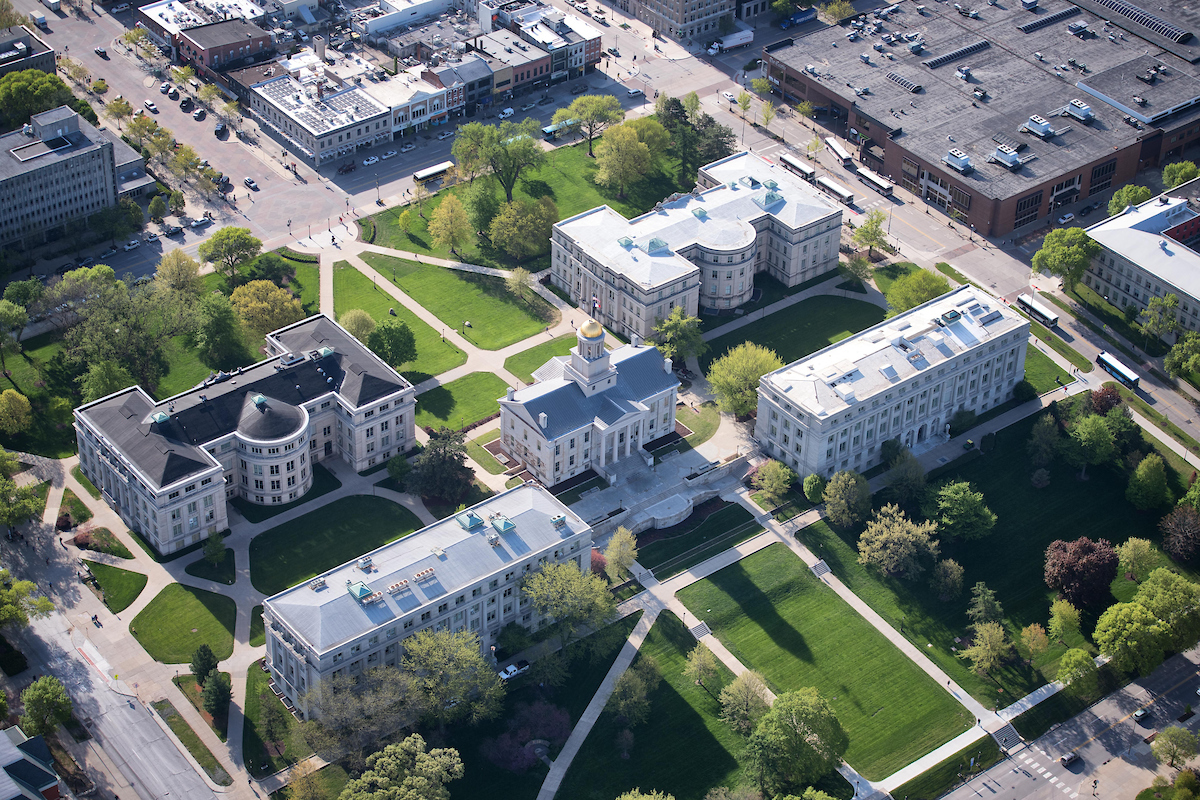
<point>820,568</point>
<point>700,631</point>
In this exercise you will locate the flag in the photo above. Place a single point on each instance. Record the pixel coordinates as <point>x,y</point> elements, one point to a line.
<point>595,303</point>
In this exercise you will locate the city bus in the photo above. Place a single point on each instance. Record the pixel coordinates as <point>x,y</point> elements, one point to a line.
<point>837,190</point>
<point>432,173</point>
<point>790,162</point>
<point>1122,373</point>
<point>875,181</point>
<point>831,144</point>
<point>551,132</point>
<point>1037,310</point>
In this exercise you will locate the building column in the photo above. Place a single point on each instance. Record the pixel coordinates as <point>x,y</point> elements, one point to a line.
<point>599,443</point>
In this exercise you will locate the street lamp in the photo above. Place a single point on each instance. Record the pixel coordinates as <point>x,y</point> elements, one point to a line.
<point>378,201</point>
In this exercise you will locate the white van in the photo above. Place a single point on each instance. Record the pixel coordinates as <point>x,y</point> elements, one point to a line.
<point>636,93</point>
<point>506,113</point>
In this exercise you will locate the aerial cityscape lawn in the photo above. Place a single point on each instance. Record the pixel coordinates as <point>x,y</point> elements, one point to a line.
<point>1041,371</point>
<point>525,362</point>
<point>182,618</point>
<point>352,289</point>
<point>259,760</point>
<point>481,456</point>
<point>777,618</point>
<point>224,571</point>
<point>120,586</point>
<point>324,538</point>
<point>461,402</point>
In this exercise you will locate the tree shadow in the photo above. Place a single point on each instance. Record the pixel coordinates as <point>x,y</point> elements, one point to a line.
<point>496,289</point>
<point>439,402</point>
<point>537,189</point>
<point>758,607</point>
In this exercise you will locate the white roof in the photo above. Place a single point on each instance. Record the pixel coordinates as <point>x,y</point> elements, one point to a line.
<point>1136,234</point>
<point>873,361</point>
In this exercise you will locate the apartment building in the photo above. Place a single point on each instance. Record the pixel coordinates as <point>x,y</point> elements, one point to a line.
<point>902,379</point>
<point>463,573</point>
<point>22,49</point>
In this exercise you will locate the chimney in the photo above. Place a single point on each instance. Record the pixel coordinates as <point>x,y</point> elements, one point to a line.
<point>667,365</point>
<point>542,419</point>
<point>320,90</point>
<point>511,393</point>
<point>635,340</point>
<point>319,46</point>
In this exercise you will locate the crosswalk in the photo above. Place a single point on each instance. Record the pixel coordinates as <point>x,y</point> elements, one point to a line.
<point>1053,779</point>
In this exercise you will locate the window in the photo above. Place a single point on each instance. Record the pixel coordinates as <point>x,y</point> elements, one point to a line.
<point>1027,209</point>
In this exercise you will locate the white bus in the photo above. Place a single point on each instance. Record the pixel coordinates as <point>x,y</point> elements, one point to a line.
<point>831,144</point>
<point>837,190</point>
<point>875,181</point>
<point>1037,310</point>
<point>431,173</point>
<point>790,162</point>
<point>1122,373</point>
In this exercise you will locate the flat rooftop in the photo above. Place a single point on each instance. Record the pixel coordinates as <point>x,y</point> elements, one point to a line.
<point>1022,74</point>
<point>21,153</point>
<point>1140,234</point>
<point>871,362</point>
<point>220,34</point>
<point>302,103</point>
<point>430,564</point>
<point>508,48</point>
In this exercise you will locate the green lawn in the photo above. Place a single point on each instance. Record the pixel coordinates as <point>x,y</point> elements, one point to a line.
<point>84,482</point>
<point>690,534</point>
<point>566,178</point>
<point>886,276</point>
<point>793,504</point>
<point>259,760</point>
<point>191,741</point>
<point>186,370</point>
<point>476,494</point>
<point>306,285</point>
<point>481,456</point>
<point>42,490</point>
<point>941,778</point>
<point>324,482</point>
<point>323,539</point>
<point>525,362</point>
<point>571,496</point>
<point>702,422</point>
<point>50,386</point>
<point>771,291</point>
<point>194,693</point>
<point>1110,315</point>
<point>1056,343</point>
<point>72,505</point>
<point>120,586</point>
<point>181,619</point>
<point>497,318</point>
<point>780,620</point>
<point>1040,370</point>
<point>258,631</point>
<point>102,540</point>
<point>331,780</point>
<point>224,572</point>
<point>461,402</point>
<point>352,289</point>
<point>801,329</point>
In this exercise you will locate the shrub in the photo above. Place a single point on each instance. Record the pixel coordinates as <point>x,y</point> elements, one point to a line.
<point>1023,392</point>
<point>599,562</point>
<point>1040,479</point>
<point>63,523</point>
<point>962,421</point>
<point>100,86</point>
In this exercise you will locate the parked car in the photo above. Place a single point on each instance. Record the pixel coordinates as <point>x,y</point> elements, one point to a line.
<point>635,93</point>
<point>513,670</point>
<point>112,251</point>
<point>614,52</point>
<point>446,134</point>
<point>86,262</point>
<point>199,114</point>
<point>219,131</point>
<point>408,147</point>
<point>729,96</point>
<point>545,101</point>
<point>173,94</point>
<point>63,269</point>
<point>100,51</point>
<point>348,167</point>
<point>250,184</point>
<point>133,244</point>
<point>173,230</point>
<point>370,160</point>
<point>151,237</point>
<point>579,88</point>
<point>149,104</point>
<point>1141,714</point>
<point>1067,759</point>
<point>202,222</point>
<point>387,155</point>
<point>1083,212</point>
<point>528,107</point>
<point>1065,218</point>
<point>185,103</point>
<point>506,113</point>
<point>165,87</point>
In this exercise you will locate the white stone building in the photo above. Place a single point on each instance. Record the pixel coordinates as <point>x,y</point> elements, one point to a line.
<point>461,574</point>
<point>168,467</point>
<point>901,379</point>
<point>591,408</point>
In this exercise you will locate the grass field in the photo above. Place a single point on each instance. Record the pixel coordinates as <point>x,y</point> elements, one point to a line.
<point>322,539</point>
<point>460,402</point>
<point>525,362</point>
<point>191,741</point>
<point>886,276</point>
<point>72,505</point>
<point>35,373</point>
<point>180,619</point>
<point>800,330</point>
<point>258,630</point>
<point>571,496</point>
<point>780,620</point>
<point>223,572</point>
<point>352,289</point>
<point>324,482</point>
<point>687,535</point>
<point>497,318</point>
<point>185,369</point>
<point>120,586</point>
<point>1041,371</point>
<point>481,456</point>
<point>259,760</point>
<point>306,285</point>
<point>940,778</point>
<point>194,693</point>
<point>1112,316</point>
<point>77,473</point>
<point>703,423</point>
<point>103,541</point>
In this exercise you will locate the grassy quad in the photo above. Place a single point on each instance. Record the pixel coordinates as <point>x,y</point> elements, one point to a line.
<point>261,760</point>
<point>481,456</point>
<point>779,619</point>
<point>1041,371</point>
<point>805,328</point>
<point>120,586</point>
<point>322,539</point>
<point>224,571</point>
<point>461,402</point>
<point>525,362</point>
<point>497,318</point>
<point>180,619</point>
<point>887,275</point>
<point>258,630</point>
<point>352,289</point>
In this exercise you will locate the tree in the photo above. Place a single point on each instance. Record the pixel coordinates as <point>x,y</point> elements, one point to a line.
<point>185,162</point>
<point>272,722</point>
<point>917,287</point>
<point>760,86</point>
<point>679,336</point>
<point>1181,532</point>
<point>591,114</point>
<point>906,479</point>
<point>814,488</point>
<point>208,94</point>
<point>796,743</point>
<point>651,133</point>
<point>507,150</point>
<point>265,307</point>
<point>214,548</point>
<point>897,545</point>
<point>847,499</point>
<point>869,234</point>
<point>743,101</point>
<point>440,469</point>
<point>744,701</point>
<point>1081,570</point>
<point>399,469</point>
<point>12,319</point>
<point>228,250</point>
<point>768,112</point>
<point>1174,601</point>
<point>182,75</point>
<point>734,376</point>
<point>203,662</point>
<point>838,10</point>
<point>9,16</point>
<point>141,129</point>
<point>1160,317</point>
<point>522,228</point>
<point>1064,619</point>
<point>1034,639</point>
<point>449,225</point>
<point>1136,556</point>
<point>638,794</point>
<point>453,676</point>
<point>24,293</point>
<point>774,480</point>
<point>1128,195</point>
<point>1178,173</point>
<point>691,104</point>
<point>1066,252</point>
<point>960,512</point>
<point>1132,637</point>
<point>158,208</point>
<point>1077,670</point>
<point>1095,441</point>
<point>137,37</point>
<point>858,269</point>
<point>354,712</point>
<point>17,601</point>
<point>481,202</point>
<point>948,579</point>
<point>179,272</point>
<point>989,647</point>
<point>1174,744</point>
<point>31,91</point>
<point>629,701</point>
<point>574,600</point>
<point>517,283</point>
<point>358,323</point>
<point>404,770</point>
<point>621,160</point>
<point>47,705</point>
<point>984,606</point>
<point>620,554</point>
<point>217,693</point>
<point>219,332</point>
<point>177,203</point>
<point>702,665</point>
<point>1043,441</point>
<point>393,341</point>
<point>16,414</point>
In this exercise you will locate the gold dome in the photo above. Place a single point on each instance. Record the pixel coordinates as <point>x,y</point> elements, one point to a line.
<point>591,329</point>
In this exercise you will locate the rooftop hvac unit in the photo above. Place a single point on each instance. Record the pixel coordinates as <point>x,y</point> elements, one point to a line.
<point>1038,125</point>
<point>1007,156</point>
<point>1080,110</point>
<point>959,161</point>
